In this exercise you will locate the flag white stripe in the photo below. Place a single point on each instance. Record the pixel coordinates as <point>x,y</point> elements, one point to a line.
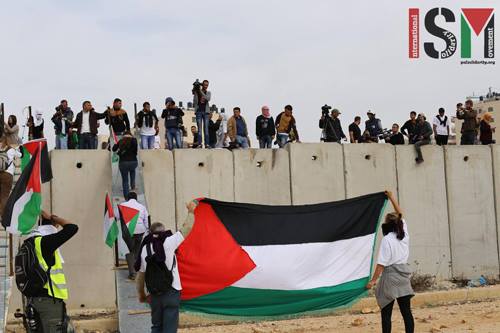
<point>17,210</point>
<point>309,265</point>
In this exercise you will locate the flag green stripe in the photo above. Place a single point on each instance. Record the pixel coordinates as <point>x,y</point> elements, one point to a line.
<point>466,47</point>
<point>30,213</point>
<point>131,225</point>
<point>245,302</point>
<point>112,234</point>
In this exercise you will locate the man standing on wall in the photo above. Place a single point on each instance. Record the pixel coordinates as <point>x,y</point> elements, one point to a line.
<point>117,118</point>
<point>264,128</point>
<point>86,124</point>
<point>201,99</point>
<point>173,124</point>
<point>441,128</point>
<point>355,131</point>
<point>147,122</point>
<point>470,124</point>
<point>237,129</point>
<point>62,123</point>
<point>286,127</point>
<point>408,128</point>
<point>373,126</point>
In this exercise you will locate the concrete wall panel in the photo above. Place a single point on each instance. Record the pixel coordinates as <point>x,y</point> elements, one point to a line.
<point>202,173</point>
<point>422,195</point>
<point>473,234</point>
<point>262,176</point>
<point>78,195</point>
<point>495,150</point>
<point>317,172</point>
<point>159,185</point>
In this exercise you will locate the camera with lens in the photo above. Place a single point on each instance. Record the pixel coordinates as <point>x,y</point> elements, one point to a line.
<point>196,86</point>
<point>325,110</point>
<point>386,134</point>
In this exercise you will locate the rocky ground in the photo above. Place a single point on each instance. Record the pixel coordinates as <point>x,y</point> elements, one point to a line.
<point>477,317</point>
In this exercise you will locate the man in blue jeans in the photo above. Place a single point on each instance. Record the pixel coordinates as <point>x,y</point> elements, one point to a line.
<point>147,122</point>
<point>173,123</point>
<point>201,99</point>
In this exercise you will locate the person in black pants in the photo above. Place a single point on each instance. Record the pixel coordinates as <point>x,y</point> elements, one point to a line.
<point>126,149</point>
<point>393,265</point>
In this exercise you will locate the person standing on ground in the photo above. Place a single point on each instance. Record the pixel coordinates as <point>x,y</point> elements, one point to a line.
<point>264,128</point>
<point>408,128</point>
<point>470,124</point>
<point>237,129</point>
<point>486,130</point>
<point>201,100</point>
<point>86,123</point>
<point>441,128</point>
<point>141,228</point>
<point>285,125</point>
<point>11,131</point>
<point>423,133</point>
<point>147,122</point>
<point>355,131</point>
<point>62,124</point>
<point>7,167</point>
<point>173,124</point>
<point>126,149</point>
<point>117,118</point>
<point>393,266</point>
<point>158,261</point>
<point>373,126</point>
<point>50,304</point>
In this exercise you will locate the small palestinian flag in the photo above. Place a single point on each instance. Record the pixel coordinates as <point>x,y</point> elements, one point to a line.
<point>24,204</point>
<point>110,226</point>
<point>113,139</point>
<point>128,222</point>
<point>28,149</point>
<point>262,261</point>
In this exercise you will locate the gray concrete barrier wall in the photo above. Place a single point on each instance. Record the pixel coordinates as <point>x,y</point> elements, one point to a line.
<point>495,150</point>
<point>422,196</point>
<point>473,231</point>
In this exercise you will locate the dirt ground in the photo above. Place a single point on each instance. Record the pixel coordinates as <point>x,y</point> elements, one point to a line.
<point>480,317</point>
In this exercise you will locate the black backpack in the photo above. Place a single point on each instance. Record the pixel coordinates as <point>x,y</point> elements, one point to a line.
<point>30,276</point>
<point>158,277</point>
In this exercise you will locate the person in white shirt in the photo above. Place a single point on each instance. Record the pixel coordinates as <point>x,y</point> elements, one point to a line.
<point>441,127</point>
<point>141,228</point>
<point>7,167</point>
<point>393,265</point>
<point>160,246</point>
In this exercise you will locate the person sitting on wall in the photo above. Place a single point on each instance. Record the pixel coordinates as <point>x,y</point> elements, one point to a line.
<point>423,133</point>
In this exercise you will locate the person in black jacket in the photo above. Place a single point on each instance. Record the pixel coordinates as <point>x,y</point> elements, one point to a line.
<point>396,138</point>
<point>173,124</point>
<point>332,128</point>
<point>126,149</point>
<point>147,122</point>
<point>117,118</point>
<point>265,128</point>
<point>409,126</point>
<point>62,124</point>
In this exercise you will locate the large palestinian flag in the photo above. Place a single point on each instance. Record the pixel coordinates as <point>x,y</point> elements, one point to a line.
<point>23,206</point>
<point>261,261</point>
<point>28,149</point>
<point>128,222</point>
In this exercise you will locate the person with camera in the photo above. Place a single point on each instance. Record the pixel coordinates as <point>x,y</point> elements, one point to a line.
<point>117,118</point>
<point>46,307</point>
<point>423,133</point>
<point>441,127</point>
<point>395,137</point>
<point>173,124</point>
<point>408,128</point>
<point>286,127</point>
<point>237,130</point>
<point>470,124</point>
<point>355,131</point>
<point>86,124</point>
<point>373,126</point>
<point>147,122</point>
<point>332,129</point>
<point>264,128</point>
<point>201,100</point>
<point>62,124</point>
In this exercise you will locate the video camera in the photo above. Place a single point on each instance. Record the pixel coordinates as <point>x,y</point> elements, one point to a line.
<point>196,86</point>
<point>386,134</point>
<point>325,110</point>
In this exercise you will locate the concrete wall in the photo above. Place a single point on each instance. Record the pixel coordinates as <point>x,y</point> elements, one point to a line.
<point>473,231</point>
<point>495,150</point>
<point>317,172</point>
<point>158,175</point>
<point>420,187</point>
<point>262,176</point>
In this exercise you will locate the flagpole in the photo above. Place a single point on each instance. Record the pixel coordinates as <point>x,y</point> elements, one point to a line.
<point>117,262</point>
<point>11,255</point>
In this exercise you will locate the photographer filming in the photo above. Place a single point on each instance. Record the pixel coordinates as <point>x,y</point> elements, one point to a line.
<point>395,137</point>
<point>62,124</point>
<point>201,99</point>
<point>332,129</point>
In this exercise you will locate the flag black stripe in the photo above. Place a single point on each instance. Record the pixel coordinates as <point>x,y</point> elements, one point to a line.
<point>252,224</point>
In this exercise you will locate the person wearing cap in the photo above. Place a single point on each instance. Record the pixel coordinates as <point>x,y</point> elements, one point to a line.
<point>173,124</point>
<point>423,133</point>
<point>147,122</point>
<point>332,128</point>
<point>264,128</point>
<point>373,126</point>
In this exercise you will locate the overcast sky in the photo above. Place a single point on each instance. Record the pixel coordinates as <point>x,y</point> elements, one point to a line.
<point>352,55</point>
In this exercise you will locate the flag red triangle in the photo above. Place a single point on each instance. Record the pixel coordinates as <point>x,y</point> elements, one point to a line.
<point>34,182</point>
<point>477,17</point>
<point>209,258</point>
<point>128,213</point>
<point>32,146</point>
<point>108,208</point>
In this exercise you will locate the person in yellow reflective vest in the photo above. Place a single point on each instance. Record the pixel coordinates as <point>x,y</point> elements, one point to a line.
<point>49,305</point>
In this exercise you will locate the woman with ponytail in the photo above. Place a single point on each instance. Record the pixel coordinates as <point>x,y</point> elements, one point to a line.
<point>394,270</point>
